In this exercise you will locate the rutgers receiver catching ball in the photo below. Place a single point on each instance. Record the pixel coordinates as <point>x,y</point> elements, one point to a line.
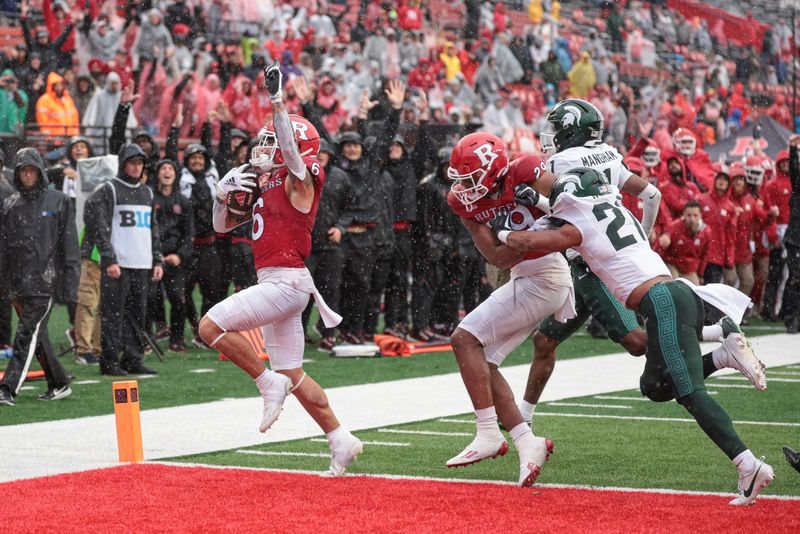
<point>280,191</point>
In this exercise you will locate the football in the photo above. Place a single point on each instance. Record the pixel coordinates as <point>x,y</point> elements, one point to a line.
<point>241,202</point>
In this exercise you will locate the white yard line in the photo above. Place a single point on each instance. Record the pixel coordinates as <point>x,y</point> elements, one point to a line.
<point>424,432</point>
<point>84,382</point>
<point>770,374</point>
<point>583,405</point>
<point>649,418</point>
<point>203,371</point>
<point>769,379</point>
<point>665,491</point>
<point>619,397</point>
<point>735,386</point>
<point>70,445</point>
<point>285,453</point>
<point>378,443</point>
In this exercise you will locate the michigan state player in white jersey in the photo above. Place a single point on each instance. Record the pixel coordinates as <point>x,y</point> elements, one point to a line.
<point>575,133</point>
<point>588,216</point>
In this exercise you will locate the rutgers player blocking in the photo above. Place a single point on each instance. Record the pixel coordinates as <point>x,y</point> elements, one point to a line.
<point>486,184</point>
<point>289,184</point>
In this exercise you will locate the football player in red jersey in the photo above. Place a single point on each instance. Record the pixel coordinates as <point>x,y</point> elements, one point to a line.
<point>485,183</point>
<point>290,180</point>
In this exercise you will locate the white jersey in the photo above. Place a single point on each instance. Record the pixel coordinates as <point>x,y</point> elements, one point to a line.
<point>614,245</point>
<point>602,158</point>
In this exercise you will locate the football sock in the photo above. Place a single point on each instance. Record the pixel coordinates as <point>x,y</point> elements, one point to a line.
<point>264,381</point>
<point>523,440</point>
<point>519,431</point>
<point>526,409</point>
<point>712,332</point>
<point>714,421</point>
<point>486,420</point>
<point>718,354</point>
<point>744,462</point>
<point>709,365</point>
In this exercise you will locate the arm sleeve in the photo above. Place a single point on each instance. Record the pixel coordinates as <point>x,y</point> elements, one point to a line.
<point>637,150</point>
<point>286,141</point>
<point>206,139</point>
<point>652,201</point>
<point>117,138</point>
<point>97,217</point>
<point>63,37</point>
<point>423,151</point>
<point>224,148</point>
<point>311,114</point>
<point>794,171</point>
<point>386,136</point>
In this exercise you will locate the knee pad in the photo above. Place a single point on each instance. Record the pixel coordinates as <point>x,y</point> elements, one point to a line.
<point>657,390</point>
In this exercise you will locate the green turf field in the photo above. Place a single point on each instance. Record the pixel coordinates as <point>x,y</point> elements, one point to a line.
<point>634,448</point>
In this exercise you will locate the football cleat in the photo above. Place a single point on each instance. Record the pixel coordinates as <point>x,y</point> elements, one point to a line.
<point>481,448</point>
<point>343,454</point>
<point>793,457</point>
<point>273,400</point>
<point>728,327</point>
<point>530,468</point>
<point>751,484</point>
<point>738,354</point>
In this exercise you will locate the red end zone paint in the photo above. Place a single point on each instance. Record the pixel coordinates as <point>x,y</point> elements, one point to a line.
<point>148,498</point>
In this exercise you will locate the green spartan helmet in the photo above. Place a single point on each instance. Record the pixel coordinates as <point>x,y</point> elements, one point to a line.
<point>575,123</point>
<point>580,182</point>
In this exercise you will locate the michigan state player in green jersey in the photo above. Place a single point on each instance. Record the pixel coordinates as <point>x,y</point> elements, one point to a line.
<point>575,133</point>
<point>588,216</point>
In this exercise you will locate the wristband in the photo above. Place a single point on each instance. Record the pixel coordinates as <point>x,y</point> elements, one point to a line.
<point>502,235</point>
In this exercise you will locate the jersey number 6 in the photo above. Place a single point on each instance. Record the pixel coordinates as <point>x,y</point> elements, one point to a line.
<point>258,219</point>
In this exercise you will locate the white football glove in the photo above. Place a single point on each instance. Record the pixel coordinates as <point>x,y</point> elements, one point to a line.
<point>237,179</point>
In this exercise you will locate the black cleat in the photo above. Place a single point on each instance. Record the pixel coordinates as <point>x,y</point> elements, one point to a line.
<point>112,370</point>
<point>792,457</point>
<point>139,369</point>
<point>6,397</point>
<point>55,394</point>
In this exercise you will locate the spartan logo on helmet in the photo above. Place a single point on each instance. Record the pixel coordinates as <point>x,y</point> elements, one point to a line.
<point>571,117</point>
<point>580,182</point>
<point>572,123</point>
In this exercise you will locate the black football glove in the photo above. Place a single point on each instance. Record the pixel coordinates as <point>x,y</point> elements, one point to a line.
<point>273,79</point>
<point>525,195</point>
<point>501,221</point>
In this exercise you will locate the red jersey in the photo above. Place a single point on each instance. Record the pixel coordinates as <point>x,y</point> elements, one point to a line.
<point>282,233</point>
<point>719,215</point>
<point>687,252</point>
<point>523,170</point>
<point>748,213</point>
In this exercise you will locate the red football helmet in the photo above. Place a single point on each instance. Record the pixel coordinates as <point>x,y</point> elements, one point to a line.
<point>684,141</point>
<point>476,163</point>
<point>756,169</point>
<point>736,169</point>
<point>267,154</point>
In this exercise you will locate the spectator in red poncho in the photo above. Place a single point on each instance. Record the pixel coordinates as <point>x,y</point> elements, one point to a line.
<point>329,105</point>
<point>780,112</point>
<point>719,215</point>
<point>409,15</point>
<point>469,63</point>
<point>748,212</point>
<point>241,99</point>
<point>56,19</point>
<point>151,89</point>
<point>500,18</point>
<point>738,100</point>
<point>685,243</point>
<point>675,190</point>
<point>208,96</point>
<point>178,98</point>
<point>423,76</point>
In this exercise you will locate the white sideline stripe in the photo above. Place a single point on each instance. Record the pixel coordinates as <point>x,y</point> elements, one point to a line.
<point>737,386</point>
<point>793,367</point>
<point>285,453</point>
<point>232,424</point>
<point>769,379</point>
<point>458,421</point>
<point>378,443</point>
<point>784,373</point>
<point>665,491</point>
<point>582,405</point>
<point>201,371</point>
<point>666,419</point>
<point>28,388</point>
<point>616,397</point>
<point>423,432</point>
<point>85,382</point>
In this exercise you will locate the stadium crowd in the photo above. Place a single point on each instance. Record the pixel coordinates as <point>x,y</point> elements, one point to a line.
<point>390,86</point>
